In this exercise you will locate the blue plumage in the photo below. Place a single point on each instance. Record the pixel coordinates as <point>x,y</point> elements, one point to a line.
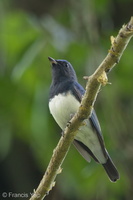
<point>64,100</point>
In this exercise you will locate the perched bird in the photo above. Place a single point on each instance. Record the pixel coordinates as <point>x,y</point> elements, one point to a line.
<point>64,100</point>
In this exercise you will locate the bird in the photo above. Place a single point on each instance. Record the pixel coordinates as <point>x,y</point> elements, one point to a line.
<point>64,100</point>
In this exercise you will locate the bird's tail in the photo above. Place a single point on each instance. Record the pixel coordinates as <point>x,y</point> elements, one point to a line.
<point>111,170</point>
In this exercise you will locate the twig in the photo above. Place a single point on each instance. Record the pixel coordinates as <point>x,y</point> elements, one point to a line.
<point>94,82</point>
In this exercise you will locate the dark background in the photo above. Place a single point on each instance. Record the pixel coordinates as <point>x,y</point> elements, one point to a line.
<point>78,31</point>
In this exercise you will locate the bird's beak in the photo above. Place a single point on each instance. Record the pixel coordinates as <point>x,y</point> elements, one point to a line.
<point>53,61</point>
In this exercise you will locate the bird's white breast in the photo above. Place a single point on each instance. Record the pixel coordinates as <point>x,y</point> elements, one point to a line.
<point>62,107</point>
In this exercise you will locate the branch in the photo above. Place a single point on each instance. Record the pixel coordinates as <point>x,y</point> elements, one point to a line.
<point>94,83</point>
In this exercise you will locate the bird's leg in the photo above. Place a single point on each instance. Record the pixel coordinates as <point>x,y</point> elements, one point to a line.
<point>62,133</point>
<point>69,122</point>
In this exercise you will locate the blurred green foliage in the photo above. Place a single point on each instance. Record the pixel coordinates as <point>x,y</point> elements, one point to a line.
<point>77,31</point>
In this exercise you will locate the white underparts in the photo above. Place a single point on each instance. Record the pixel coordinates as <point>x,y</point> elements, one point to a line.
<point>62,107</point>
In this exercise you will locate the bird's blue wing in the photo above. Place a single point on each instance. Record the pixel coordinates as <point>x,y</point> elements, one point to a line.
<point>78,91</point>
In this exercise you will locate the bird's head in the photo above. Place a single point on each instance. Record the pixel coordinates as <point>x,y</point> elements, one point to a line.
<point>62,70</point>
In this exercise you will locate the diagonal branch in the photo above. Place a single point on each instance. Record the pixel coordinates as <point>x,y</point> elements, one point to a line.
<point>94,83</point>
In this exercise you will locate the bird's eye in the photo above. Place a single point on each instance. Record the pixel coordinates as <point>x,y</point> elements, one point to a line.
<point>67,65</point>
